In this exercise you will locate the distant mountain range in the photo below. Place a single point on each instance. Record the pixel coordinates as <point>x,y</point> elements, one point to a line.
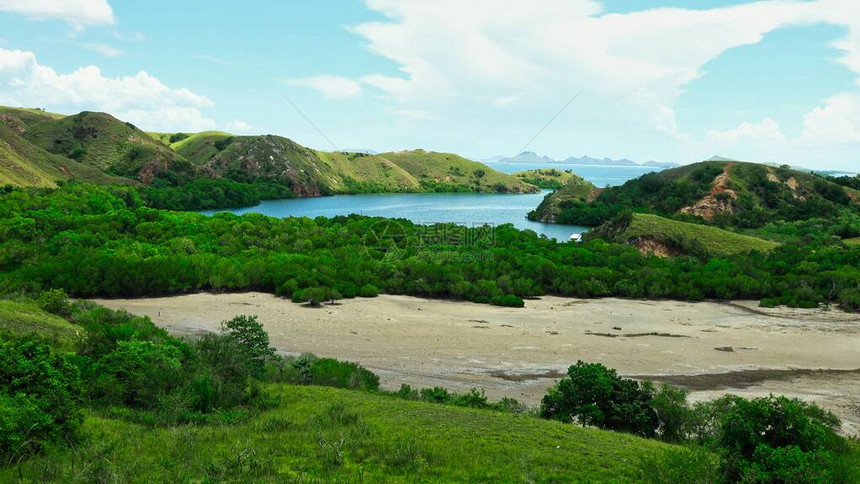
<point>532,157</point>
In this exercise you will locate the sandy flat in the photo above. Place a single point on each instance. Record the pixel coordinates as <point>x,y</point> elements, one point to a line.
<point>711,348</point>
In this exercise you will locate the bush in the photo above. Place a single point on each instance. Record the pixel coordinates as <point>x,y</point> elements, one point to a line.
<point>688,465</point>
<point>252,340</point>
<point>315,296</point>
<point>39,398</point>
<point>770,439</point>
<point>138,373</point>
<point>670,403</point>
<point>510,301</point>
<point>368,290</point>
<point>596,396</point>
<point>55,301</point>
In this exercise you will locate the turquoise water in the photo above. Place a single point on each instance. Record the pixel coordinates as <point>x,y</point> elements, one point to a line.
<point>470,209</point>
<point>600,175</point>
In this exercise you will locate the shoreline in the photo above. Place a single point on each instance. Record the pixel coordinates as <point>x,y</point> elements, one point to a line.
<point>712,348</point>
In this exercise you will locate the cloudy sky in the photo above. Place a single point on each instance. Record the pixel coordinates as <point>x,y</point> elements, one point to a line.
<point>669,80</point>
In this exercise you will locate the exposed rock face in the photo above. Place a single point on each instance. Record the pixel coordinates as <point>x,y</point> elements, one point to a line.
<point>652,246</point>
<point>719,201</point>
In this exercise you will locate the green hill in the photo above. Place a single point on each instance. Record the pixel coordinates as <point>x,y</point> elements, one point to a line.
<point>22,163</point>
<point>661,236</point>
<point>731,193</point>
<point>575,190</point>
<point>40,149</point>
<point>546,178</point>
<point>318,434</point>
<point>103,142</point>
<point>311,173</point>
<point>442,172</point>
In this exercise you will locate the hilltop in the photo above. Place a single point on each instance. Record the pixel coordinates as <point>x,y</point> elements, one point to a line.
<point>196,170</point>
<point>730,193</point>
<point>547,178</point>
<point>656,235</point>
<point>575,190</point>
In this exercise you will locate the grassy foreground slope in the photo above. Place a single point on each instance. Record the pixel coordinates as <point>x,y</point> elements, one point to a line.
<point>25,317</point>
<point>329,434</point>
<point>652,233</point>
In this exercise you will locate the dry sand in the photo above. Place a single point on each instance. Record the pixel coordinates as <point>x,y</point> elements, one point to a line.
<point>710,348</point>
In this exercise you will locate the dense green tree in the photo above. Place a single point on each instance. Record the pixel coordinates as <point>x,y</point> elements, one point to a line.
<point>594,395</point>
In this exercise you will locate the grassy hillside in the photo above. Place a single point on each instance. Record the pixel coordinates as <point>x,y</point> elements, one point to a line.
<point>575,189</point>
<point>730,193</point>
<point>364,173</point>
<point>215,167</point>
<point>337,435</point>
<point>450,172</point>
<point>310,173</point>
<point>25,317</point>
<point>655,234</point>
<point>103,142</point>
<point>546,178</point>
<point>25,164</point>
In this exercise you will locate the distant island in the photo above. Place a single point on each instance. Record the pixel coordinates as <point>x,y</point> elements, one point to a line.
<point>532,157</point>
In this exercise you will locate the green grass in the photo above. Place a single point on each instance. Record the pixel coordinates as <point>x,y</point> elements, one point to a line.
<point>717,242</point>
<point>108,144</point>
<point>854,241</point>
<point>545,177</point>
<point>25,317</point>
<point>324,434</point>
<point>442,170</point>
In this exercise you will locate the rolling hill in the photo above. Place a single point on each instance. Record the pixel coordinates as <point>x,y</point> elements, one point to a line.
<point>546,178</point>
<point>729,193</point>
<point>575,190</point>
<point>40,149</point>
<point>660,236</point>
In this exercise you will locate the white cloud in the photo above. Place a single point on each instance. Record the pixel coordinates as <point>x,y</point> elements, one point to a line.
<point>331,87</point>
<point>413,114</point>
<point>456,51</point>
<point>239,127</point>
<point>837,122</point>
<point>80,13</point>
<point>103,49</point>
<point>142,99</point>
<point>767,130</point>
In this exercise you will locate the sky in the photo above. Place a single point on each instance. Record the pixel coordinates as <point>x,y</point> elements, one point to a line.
<point>668,80</point>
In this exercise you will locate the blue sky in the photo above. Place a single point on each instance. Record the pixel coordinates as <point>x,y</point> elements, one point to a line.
<point>670,80</point>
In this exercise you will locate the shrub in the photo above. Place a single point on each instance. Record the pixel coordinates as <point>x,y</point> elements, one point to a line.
<point>688,465</point>
<point>315,296</point>
<point>176,137</point>
<point>670,403</point>
<point>139,372</point>
<point>770,439</point>
<point>510,301</point>
<point>594,395</point>
<point>55,301</point>
<point>252,340</point>
<point>368,290</point>
<point>435,395</point>
<point>39,398</point>
<point>474,398</point>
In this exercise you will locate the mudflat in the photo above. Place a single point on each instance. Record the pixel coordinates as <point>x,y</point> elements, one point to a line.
<point>710,348</point>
